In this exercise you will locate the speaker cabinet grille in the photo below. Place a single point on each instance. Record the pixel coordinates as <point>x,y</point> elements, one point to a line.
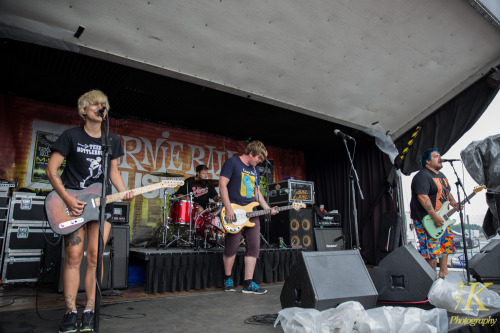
<point>329,239</point>
<point>295,227</point>
<point>323,280</point>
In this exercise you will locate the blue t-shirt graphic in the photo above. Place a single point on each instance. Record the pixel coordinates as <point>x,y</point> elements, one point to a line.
<point>242,181</point>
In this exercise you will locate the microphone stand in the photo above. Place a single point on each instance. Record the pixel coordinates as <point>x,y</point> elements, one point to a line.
<point>459,185</point>
<point>353,193</point>
<point>106,150</point>
<point>267,217</point>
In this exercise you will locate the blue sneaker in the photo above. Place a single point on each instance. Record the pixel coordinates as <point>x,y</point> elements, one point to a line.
<point>253,288</point>
<point>229,285</point>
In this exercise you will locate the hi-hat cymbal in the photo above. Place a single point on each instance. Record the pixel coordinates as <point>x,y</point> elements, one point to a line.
<point>166,174</point>
<point>204,183</point>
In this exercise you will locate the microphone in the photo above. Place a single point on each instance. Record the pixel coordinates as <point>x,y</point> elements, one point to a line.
<point>269,163</point>
<point>343,135</point>
<point>101,111</point>
<point>450,160</point>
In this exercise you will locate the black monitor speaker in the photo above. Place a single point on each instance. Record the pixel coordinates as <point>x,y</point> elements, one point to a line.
<point>485,265</point>
<point>323,280</point>
<point>403,276</point>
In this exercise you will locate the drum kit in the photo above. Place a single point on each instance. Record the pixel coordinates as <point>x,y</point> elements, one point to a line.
<point>184,225</point>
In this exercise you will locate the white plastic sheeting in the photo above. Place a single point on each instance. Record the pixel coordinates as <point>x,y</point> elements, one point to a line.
<point>352,317</point>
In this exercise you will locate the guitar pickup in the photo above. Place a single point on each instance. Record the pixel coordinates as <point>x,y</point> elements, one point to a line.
<point>71,222</point>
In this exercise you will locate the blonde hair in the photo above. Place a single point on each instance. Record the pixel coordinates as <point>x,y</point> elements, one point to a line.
<point>91,98</point>
<point>257,148</point>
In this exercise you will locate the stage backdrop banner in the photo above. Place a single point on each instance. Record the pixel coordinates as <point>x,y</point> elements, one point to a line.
<point>28,128</point>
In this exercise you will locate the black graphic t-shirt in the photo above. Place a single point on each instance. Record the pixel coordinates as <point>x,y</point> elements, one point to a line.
<point>241,186</point>
<point>84,157</point>
<point>200,195</point>
<point>434,185</point>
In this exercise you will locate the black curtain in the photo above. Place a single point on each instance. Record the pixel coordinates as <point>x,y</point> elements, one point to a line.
<point>447,125</point>
<point>329,170</point>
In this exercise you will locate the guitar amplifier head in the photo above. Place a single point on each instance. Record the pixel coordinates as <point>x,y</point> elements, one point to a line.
<point>120,213</point>
<point>330,220</point>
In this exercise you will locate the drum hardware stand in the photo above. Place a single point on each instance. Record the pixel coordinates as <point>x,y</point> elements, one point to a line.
<point>190,219</point>
<point>265,240</point>
<point>162,231</point>
<point>217,235</point>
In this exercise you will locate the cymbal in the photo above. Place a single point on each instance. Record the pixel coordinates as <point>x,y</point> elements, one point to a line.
<point>166,174</point>
<point>204,183</point>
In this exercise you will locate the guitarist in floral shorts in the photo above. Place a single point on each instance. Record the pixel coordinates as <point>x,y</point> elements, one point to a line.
<point>429,190</point>
<point>238,184</point>
<point>82,148</point>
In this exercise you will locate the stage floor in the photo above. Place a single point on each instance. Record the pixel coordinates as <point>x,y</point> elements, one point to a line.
<point>208,310</point>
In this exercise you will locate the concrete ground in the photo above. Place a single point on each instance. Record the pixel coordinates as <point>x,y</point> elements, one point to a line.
<point>213,311</point>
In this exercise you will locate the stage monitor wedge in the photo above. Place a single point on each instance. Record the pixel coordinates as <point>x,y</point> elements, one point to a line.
<point>323,280</point>
<point>403,276</point>
<point>485,265</point>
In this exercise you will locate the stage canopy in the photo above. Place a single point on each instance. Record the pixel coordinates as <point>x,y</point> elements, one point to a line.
<point>286,72</point>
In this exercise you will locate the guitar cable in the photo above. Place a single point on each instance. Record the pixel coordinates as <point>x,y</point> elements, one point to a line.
<point>262,319</point>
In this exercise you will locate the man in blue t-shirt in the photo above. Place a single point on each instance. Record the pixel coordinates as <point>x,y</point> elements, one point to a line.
<point>238,184</point>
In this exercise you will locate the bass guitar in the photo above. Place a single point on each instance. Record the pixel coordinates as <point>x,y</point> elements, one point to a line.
<point>244,213</point>
<point>445,212</point>
<point>62,223</point>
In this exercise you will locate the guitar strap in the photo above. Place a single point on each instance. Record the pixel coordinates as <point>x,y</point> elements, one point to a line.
<point>256,183</point>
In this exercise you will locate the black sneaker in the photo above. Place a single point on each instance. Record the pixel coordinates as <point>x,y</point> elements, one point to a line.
<point>229,285</point>
<point>68,325</point>
<point>253,288</point>
<point>87,322</point>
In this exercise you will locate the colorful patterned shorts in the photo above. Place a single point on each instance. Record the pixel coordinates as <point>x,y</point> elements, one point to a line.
<point>431,248</point>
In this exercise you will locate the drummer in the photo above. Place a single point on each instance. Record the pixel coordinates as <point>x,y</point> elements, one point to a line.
<point>201,195</point>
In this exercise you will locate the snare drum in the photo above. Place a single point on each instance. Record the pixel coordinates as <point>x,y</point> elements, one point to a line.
<point>180,210</point>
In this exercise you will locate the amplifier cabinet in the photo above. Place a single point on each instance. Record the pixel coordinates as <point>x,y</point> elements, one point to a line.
<point>27,207</point>
<point>290,190</point>
<point>329,239</point>
<point>21,267</point>
<point>115,261</point>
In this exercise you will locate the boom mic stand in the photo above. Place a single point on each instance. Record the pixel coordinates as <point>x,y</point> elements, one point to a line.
<point>106,151</point>
<point>459,185</point>
<point>353,193</point>
<point>267,217</point>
